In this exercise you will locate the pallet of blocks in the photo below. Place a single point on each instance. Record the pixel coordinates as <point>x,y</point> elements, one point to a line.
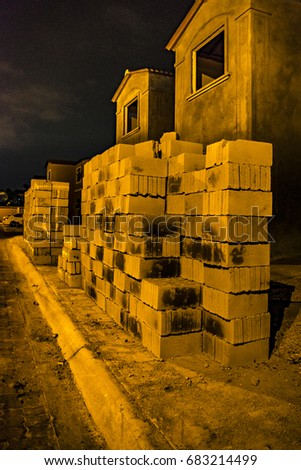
<point>69,261</point>
<point>45,214</point>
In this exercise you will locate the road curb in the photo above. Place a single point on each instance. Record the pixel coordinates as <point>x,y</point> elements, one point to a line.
<point>111,411</point>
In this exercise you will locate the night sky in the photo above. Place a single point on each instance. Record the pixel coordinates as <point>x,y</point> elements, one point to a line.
<point>60,63</point>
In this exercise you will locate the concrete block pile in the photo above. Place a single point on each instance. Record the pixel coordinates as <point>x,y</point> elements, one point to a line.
<point>69,261</point>
<point>45,213</point>
<point>226,206</point>
<point>128,237</point>
<point>175,248</point>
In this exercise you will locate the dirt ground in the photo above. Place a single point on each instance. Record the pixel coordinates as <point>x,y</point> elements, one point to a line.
<point>40,405</point>
<point>193,402</point>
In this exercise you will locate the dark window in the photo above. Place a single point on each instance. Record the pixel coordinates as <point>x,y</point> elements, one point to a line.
<point>210,61</point>
<point>131,116</point>
<point>78,175</point>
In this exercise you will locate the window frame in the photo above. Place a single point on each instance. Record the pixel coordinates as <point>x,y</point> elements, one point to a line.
<point>194,67</point>
<point>126,107</point>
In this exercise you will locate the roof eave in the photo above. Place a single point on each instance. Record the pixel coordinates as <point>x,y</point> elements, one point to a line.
<point>185,23</point>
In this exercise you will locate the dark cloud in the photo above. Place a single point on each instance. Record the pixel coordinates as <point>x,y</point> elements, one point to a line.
<point>60,64</point>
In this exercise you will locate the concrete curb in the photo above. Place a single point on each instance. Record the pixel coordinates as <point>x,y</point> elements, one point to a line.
<point>112,413</point>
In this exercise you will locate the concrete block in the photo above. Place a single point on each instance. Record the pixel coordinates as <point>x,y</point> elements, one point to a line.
<point>113,170</point>
<point>143,166</point>
<point>237,280</point>
<point>122,299</point>
<point>120,242</point>
<point>170,346</point>
<point>96,162</point>
<point>194,204</point>
<point>235,355</point>
<point>169,136</point>
<point>110,188</point>
<point>71,255</point>
<point>192,226</point>
<point>171,246</point>
<point>167,322</point>
<point>113,310</point>
<point>135,287</point>
<point>101,285</point>
<point>74,281</point>
<point>142,185</point>
<point>174,184</point>
<point>72,230</point>
<point>98,268</point>
<point>225,254</point>
<point>108,274</point>
<point>173,293</point>
<point>239,330</point>
<point>133,305</point>
<point>110,291</point>
<point>194,182</point>
<point>175,204</point>
<point>60,202</point>
<point>141,205</point>
<point>121,280</point>
<point>186,162</point>
<point>108,257</point>
<point>239,151</point>
<point>226,176</point>
<point>101,300</point>
<point>145,246</point>
<point>232,229</point>
<point>122,151</point>
<point>238,203</point>
<point>192,269</point>
<point>140,268</point>
<point>148,149</point>
<point>92,251</point>
<point>172,148</point>
<point>73,267</point>
<point>231,306</point>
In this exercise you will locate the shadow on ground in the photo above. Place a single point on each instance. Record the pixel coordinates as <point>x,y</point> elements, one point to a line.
<point>280,296</point>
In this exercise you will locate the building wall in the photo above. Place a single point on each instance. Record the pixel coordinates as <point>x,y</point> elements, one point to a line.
<point>155,92</point>
<point>259,99</point>
<point>161,105</point>
<point>136,86</point>
<point>68,173</point>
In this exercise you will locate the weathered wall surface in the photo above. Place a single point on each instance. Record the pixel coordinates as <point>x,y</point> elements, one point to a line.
<point>176,249</point>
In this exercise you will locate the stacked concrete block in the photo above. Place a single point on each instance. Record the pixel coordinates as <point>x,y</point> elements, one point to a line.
<point>123,213</point>
<point>225,247</point>
<point>69,261</point>
<point>176,249</point>
<point>45,214</point>
<point>168,316</point>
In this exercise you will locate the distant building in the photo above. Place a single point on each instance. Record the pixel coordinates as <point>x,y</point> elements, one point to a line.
<point>238,76</point>
<point>69,172</point>
<point>144,106</point>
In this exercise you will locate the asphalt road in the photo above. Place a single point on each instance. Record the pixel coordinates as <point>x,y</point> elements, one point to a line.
<point>40,405</point>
